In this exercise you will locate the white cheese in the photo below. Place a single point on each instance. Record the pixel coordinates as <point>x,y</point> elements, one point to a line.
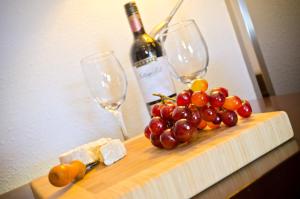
<point>86,153</point>
<point>78,153</point>
<point>105,150</point>
<point>93,147</point>
<point>112,152</point>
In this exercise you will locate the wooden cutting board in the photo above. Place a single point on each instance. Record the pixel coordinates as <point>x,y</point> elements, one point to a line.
<point>149,172</point>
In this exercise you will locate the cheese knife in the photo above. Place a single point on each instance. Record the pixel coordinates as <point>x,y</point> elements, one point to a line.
<point>63,174</point>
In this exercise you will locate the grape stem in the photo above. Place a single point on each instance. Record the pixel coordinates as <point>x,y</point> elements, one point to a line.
<point>164,98</point>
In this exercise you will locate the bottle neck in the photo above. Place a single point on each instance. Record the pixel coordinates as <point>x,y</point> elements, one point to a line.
<point>136,24</point>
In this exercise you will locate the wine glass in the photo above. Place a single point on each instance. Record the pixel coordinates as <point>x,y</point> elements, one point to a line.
<point>107,82</point>
<point>186,50</point>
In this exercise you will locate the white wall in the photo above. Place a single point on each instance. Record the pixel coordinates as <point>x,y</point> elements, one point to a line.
<point>45,105</point>
<point>277,27</point>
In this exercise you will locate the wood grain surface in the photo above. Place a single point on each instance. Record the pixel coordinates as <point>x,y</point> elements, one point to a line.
<point>148,172</point>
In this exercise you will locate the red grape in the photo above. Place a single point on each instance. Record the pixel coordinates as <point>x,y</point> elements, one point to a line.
<point>183,130</point>
<point>155,110</point>
<point>208,113</point>
<point>232,103</point>
<point>157,125</point>
<point>229,118</point>
<point>183,98</point>
<point>166,111</point>
<point>222,90</point>
<point>200,98</point>
<point>155,140</point>
<point>147,132</point>
<point>217,99</point>
<point>217,119</point>
<point>181,112</point>
<point>195,117</point>
<point>245,110</point>
<point>167,139</point>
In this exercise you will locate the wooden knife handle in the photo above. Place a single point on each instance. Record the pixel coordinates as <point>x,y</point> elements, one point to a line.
<point>63,174</point>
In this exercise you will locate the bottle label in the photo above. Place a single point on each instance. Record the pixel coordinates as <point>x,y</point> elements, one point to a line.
<point>135,22</point>
<point>145,61</point>
<point>154,77</point>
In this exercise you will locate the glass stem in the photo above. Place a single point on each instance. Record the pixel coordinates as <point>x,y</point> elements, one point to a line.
<point>118,115</point>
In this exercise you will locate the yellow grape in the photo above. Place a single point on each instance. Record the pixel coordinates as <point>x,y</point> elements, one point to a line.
<point>199,85</point>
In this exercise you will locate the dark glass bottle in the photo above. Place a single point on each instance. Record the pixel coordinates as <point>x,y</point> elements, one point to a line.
<point>151,68</point>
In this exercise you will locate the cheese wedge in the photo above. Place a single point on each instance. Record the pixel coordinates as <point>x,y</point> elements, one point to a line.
<point>111,152</point>
<point>105,150</point>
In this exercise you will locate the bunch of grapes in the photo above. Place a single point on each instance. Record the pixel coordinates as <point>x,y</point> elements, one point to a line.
<point>179,121</point>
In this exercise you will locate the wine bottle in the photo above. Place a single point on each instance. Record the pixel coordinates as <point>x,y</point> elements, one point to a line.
<point>150,67</point>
